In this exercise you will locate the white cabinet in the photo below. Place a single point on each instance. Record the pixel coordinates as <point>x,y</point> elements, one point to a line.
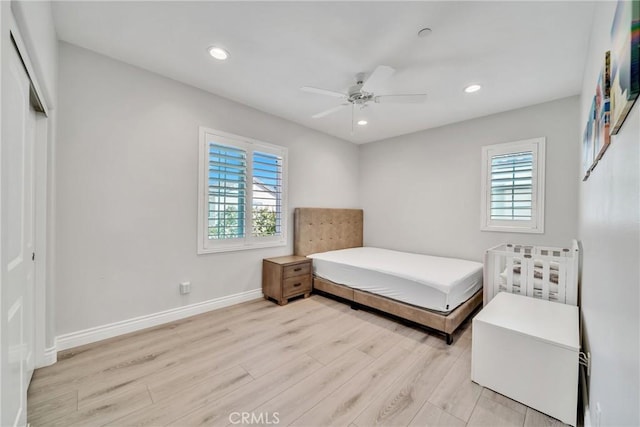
<point>527,349</point>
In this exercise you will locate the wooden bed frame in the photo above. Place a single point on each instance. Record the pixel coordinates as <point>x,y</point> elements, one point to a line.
<point>321,229</point>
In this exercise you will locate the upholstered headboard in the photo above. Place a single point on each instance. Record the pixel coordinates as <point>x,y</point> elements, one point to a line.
<point>321,229</point>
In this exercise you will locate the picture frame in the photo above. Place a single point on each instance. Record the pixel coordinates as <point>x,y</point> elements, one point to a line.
<point>603,109</point>
<point>625,62</point>
<point>597,135</point>
<point>588,142</point>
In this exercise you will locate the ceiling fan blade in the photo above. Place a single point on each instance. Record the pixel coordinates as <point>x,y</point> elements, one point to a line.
<point>417,98</point>
<point>381,74</point>
<point>323,91</point>
<point>329,111</point>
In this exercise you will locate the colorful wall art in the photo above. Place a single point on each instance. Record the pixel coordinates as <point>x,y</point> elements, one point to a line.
<point>618,85</point>
<point>625,61</point>
<point>597,135</point>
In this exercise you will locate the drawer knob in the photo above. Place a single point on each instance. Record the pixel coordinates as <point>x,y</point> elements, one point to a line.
<point>295,285</point>
<point>297,269</point>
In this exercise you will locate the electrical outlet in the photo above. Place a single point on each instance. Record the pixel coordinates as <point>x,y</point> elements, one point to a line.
<point>185,288</point>
<point>598,414</point>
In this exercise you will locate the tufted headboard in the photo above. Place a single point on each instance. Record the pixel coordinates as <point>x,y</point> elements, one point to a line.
<point>322,229</point>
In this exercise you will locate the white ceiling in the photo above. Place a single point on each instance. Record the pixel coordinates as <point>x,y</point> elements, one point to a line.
<point>523,53</point>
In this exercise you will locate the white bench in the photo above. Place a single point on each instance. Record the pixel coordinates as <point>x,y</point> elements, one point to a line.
<point>527,349</point>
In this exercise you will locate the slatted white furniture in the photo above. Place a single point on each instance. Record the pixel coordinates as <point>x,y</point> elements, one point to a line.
<point>527,349</point>
<point>548,273</point>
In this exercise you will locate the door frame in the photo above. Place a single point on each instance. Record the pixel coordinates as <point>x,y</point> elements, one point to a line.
<point>44,334</point>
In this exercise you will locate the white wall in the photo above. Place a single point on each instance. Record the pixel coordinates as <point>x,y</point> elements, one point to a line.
<point>127,190</point>
<point>610,232</point>
<point>421,192</point>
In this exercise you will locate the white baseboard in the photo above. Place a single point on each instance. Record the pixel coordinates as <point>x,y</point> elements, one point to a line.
<point>584,394</point>
<point>587,417</point>
<point>99,333</point>
<point>50,355</point>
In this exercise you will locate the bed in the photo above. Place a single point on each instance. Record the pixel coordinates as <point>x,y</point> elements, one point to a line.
<point>388,281</point>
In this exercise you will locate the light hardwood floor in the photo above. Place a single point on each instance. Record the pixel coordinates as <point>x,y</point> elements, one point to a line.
<point>313,362</point>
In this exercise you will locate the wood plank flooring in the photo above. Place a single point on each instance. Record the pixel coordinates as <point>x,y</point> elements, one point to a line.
<point>313,362</point>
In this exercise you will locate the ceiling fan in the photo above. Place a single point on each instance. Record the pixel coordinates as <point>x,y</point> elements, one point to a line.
<point>363,92</point>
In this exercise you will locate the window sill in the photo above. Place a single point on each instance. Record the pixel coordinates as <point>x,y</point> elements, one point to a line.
<point>237,248</point>
<point>504,229</point>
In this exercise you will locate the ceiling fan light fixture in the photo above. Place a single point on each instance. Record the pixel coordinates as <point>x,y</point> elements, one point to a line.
<point>472,88</point>
<point>363,92</point>
<point>218,53</point>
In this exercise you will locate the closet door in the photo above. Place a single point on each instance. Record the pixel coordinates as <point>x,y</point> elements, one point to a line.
<point>17,235</point>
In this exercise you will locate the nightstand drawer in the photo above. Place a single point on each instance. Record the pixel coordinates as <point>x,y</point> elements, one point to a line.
<point>297,270</point>
<point>296,285</point>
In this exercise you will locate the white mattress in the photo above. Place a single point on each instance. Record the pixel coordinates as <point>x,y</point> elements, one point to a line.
<point>537,286</point>
<point>435,283</point>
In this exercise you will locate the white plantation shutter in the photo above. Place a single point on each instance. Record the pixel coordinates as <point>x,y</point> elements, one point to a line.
<point>513,186</point>
<point>227,192</point>
<point>267,194</point>
<point>242,203</point>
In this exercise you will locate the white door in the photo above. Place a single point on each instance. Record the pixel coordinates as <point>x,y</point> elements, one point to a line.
<point>17,235</point>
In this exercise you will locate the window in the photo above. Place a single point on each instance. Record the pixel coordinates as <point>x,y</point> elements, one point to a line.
<point>242,194</point>
<point>513,186</point>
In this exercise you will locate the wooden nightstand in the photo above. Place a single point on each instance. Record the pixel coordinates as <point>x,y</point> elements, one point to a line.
<point>286,277</point>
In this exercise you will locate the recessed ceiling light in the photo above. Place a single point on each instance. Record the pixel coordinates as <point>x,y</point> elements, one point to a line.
<point>218,53</point>
<point>362,122</point>
<point>472,88</point>
<point>424,32</point>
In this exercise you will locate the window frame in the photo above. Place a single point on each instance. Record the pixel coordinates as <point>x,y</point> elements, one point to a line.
<point>249,145</point>
<point>536,225</point>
